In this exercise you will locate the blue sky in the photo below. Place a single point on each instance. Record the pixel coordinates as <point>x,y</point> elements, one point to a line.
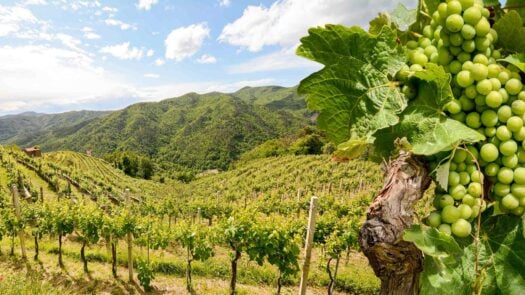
<point>61,55</point>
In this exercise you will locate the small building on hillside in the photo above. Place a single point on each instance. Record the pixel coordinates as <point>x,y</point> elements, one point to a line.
<point>89,153</point>
<point>33,152</point>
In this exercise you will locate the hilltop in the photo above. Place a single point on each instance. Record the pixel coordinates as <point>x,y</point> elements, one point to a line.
<point>191,131</point>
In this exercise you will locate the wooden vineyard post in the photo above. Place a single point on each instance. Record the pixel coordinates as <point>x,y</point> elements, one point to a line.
<point>130,240</point>
<point>299,193</point>
<point>42,194</point>
<point>308,246</point>
<point>16,202</point>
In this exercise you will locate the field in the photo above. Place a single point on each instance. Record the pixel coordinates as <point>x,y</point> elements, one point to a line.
<point>274,192</point>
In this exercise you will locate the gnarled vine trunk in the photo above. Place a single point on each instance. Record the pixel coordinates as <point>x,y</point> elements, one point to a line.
<point>396,262</point>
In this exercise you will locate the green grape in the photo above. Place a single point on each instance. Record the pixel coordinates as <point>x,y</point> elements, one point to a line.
<point>465,211</point>
<point>463,56</point>
<point>454,7</point>
<point>453,178</point>
<point>521,155</point>
<point>444,200</point>
<point>470,91</point>
<point>489,152</point>
<point>480,72</point>
<point>472,15</point>
<point>468,46</point>
<point>483,87</point>
<point>456,39</point>
<point>519,175</point>
<point>520,135</point>
<point>501,189</point>
<point>508,147</point>
<point>482,27</point>
<point>453,107</point>
<point>510,202</point>
<point>489,118</point>
<point>503,77</point>
<point>490,131</point>
<point>475,211</point>
<point>445,228</point>
<point>514,123</point>
<point>492,169</point>
<point>458,191</point>
<point>465,79</point>
<point>510,161</point>
<point>504,113</point>
<point>473,120</point>
<point>518,107</point>
<point>434,219</point>
<point>461,228</point>
<point>513,86</point>
<point>482,43</point>
<point>455,22</point>
<point>464,178</point>
<point>475,189</point>
<point>494,71</point>
<point>476,176</point>
<point>420,59</point>
<point>493,99</point>
<point>521,96</point>
<point>467,105</point>
<point>496,84</point>
<point>466,3</point>
<point>468,200</point>
<point>505,175</point>
<point>450,214</point>
<point>468,32</point>
<point>518,190</point>
<point>480,59</point>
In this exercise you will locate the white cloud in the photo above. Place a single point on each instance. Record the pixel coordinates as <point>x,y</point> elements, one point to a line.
<point>123,51</point>
<point>280,60</point>
<point>146,4</point>
<point>34,2</point>
<point>150,52</point>
<point>14,19</point>
<point>225,3</point>
<point>109,9</point>
<point>159,62</point>
<point>286,21</point>
<point>118,23</point>
<point>184,42</point>
<point>150,75</point>
<point>36,76</point>
<point>90,34</point>
<point>207,59</point>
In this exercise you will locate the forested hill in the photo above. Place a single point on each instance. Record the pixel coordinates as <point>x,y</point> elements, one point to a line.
<point>30,128</point>
<point>195,131</point>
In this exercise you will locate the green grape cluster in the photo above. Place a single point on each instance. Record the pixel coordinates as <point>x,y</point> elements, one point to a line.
<point>490,98</point>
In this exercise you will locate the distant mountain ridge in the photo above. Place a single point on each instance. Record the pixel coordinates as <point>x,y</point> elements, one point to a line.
<point>191,131</point>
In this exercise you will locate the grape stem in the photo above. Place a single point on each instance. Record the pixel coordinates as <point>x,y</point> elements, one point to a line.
<point>476,238</point>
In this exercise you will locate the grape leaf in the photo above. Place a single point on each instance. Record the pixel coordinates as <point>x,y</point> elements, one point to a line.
<point>488,3</point>
<point>501,259</point>
<point>376,25</point>
<point>403,17</point>
<point>517,60</point>
<point>442,172</point>
<point>424,13</point>
<point>351,149</point>
<point>518,6</point>
<point>511,33</point>
<point>432,242</point>
<point>354,92</point>
<point>423,123</point>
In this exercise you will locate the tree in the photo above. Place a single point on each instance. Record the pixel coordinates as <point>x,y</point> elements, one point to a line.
<point>406,95</point>
<point>89,224</point>
<point>197,240</point>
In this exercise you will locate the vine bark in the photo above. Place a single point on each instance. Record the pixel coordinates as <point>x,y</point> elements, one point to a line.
<point>395,262</point>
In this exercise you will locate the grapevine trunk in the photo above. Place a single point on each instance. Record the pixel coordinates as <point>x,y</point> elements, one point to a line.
<point>395,262</point>
<point>233,282</point>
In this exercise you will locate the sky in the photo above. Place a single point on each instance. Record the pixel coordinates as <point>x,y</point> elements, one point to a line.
<point>64,55</point>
